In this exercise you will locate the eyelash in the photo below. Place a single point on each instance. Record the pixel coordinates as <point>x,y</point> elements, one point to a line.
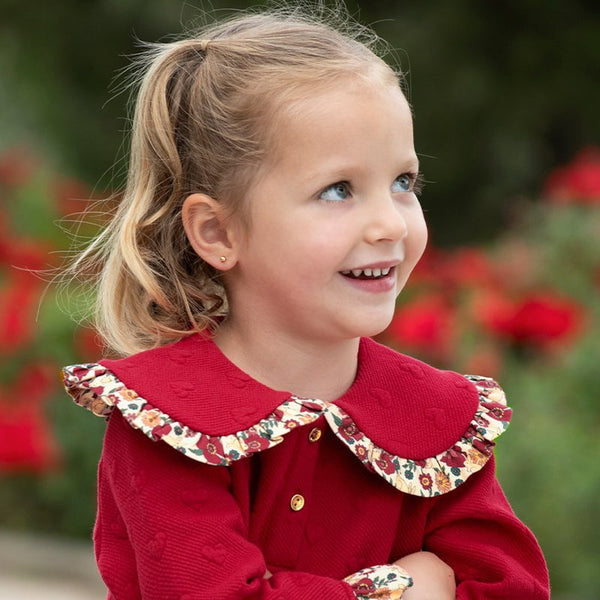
<point>417,183</point>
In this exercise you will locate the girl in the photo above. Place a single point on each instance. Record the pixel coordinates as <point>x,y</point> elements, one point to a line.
<point>270,220</point>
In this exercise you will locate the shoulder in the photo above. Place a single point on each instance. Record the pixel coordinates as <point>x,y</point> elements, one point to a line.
<point>413,409</point>
<point>195,384</point>
<point>186,394</point>
<point>424,430</point>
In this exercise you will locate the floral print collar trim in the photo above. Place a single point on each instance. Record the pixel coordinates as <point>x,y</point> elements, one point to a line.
<point>96,388</point>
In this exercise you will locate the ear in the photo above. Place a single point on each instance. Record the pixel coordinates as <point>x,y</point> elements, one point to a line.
<point>208,231</point>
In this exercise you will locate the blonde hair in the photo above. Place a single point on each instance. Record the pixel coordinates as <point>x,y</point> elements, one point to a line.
<point>204,119</point>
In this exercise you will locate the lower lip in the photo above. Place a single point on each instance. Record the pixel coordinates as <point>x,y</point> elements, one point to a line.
<point>383,284</point>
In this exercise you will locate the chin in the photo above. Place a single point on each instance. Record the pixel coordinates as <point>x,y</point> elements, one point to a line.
<point>374,326</point>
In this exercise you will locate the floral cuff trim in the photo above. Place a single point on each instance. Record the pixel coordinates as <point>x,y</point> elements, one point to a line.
<point>94,387</point>
<point>385,582</point>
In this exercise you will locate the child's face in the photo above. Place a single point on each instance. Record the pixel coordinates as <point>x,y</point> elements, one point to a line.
<point>336,197</point>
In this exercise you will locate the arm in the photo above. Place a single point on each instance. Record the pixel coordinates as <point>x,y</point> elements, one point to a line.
<point>432,578</point>
<point>474,530</point>
<point>173,525</point>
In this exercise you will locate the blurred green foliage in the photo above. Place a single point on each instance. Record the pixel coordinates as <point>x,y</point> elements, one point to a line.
<point>502,92</point>
<point>548,462</point>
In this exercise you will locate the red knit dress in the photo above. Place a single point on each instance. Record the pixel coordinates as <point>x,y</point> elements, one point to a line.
<point>208,478</point>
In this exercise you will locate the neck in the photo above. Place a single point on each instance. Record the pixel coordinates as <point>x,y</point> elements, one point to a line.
<point>309,369</point>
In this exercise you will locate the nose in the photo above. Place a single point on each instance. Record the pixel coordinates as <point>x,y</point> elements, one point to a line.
<point>387,221</point>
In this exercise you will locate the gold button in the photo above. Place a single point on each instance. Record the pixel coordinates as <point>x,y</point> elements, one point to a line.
<point>314,435</point>
<point>297,502</point>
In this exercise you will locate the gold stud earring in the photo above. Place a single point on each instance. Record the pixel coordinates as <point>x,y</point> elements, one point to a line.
<point>222,258</point>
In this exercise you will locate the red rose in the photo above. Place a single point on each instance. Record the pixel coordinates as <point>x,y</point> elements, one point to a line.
<point>20,291</point>
<point>425,324</point>
<point>17,316</point>
<point>545,318</point>
<point>577,182</point>
<point>539,319</point>
<point>27,443</point>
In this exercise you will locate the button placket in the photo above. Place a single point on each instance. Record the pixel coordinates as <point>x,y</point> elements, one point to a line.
<point>299,481</point>
<point>298,500</point>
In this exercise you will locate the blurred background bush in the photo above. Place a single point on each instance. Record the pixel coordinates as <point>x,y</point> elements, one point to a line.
<point>507,128</point>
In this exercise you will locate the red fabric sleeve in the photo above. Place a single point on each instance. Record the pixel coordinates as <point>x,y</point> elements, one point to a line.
<point>494,556</point>
<point>168,527</point>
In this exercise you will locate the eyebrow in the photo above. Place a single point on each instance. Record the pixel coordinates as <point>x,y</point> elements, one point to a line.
<point>342,170</point>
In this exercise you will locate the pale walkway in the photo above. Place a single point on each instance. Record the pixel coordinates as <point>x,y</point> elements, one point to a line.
<point>36,567</point>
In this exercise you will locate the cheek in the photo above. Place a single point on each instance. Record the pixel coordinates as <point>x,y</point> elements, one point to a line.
<point>417,236</point>
<point>315,242</point>
<point>331,236</point>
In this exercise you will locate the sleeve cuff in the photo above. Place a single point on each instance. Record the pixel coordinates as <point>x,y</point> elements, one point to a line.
<point>384,582</point>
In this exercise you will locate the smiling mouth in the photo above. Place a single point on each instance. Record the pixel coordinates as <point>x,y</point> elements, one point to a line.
<point>367,273</point>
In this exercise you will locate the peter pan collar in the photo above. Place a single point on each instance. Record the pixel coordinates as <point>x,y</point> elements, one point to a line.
<point>423,430</point>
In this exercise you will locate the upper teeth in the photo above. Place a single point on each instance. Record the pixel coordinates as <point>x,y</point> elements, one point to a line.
<point>367,272</point>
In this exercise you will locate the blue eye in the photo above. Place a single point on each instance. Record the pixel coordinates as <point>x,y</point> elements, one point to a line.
<point>338,192</point>
<point>403,183</point>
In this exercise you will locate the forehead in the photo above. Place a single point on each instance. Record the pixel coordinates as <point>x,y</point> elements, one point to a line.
<point>352,117</point>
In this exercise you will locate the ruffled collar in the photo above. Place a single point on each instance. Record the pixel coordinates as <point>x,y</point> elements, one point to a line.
<point>423,430</point>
